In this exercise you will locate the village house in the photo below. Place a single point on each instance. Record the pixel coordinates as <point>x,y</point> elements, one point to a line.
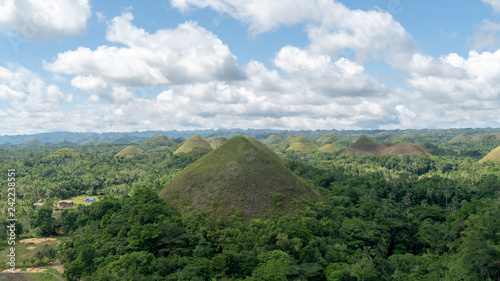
<point>65,203</point>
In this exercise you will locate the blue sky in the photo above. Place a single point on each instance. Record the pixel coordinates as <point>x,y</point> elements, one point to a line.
<point>107,66</point>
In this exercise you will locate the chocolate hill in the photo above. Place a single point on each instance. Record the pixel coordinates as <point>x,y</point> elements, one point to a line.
<point>218,141</point>
<point>64,152</point>
<point>273,139</point>
<point>461,139</point>
<point>158,141</point>
<point>494,156</point>
<point>302,145</point>
<point>195,144</point>
<point>329,148</point>
<point>129,151</point>
<point>366,145</point>
<point>242,174</point>
<point>327,138</point>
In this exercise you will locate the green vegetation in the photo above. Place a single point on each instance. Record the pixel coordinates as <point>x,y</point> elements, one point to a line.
<point>302,145</point>
<point>129,151</point>
<point>493,156</point>
<point>366,145</point>
<point>242,175</point>
<point>461,138</point>
<point>329,148</point>
<point>238,212</point>
<point>218,141</point>
<point>195,144</point>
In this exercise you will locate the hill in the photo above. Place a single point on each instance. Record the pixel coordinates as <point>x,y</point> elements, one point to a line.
<point>242,174</point>
<point>494,156</point>
<point>158,141</point>
<point>327,138</point>
<point>91,141</point>
<point>366,145</point>
<point>218,141</point>
<point>405,148</point>
<point>64,152</point>
<point>273,139</point>
<point>461,139</point>
<point>288,140</point>
<point>194,144</point>
<point>302,145</point>
<point>33,143</point>
<point>329,148</point>
<point>129,151</point>
<point>393,138</point>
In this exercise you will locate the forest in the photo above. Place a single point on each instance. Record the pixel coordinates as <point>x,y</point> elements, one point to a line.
<point>375,216</point>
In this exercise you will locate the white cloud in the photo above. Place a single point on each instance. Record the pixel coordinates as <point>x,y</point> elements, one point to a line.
<point>27,91</point>
<point>261,15</point>
<point>44,19</point>
<point>495,4</point>
<point>188,53</point>
<point>317,72</point>
<point>486,36</point>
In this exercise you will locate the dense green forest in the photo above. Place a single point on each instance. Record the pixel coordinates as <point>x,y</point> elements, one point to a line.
<point>379,217</point>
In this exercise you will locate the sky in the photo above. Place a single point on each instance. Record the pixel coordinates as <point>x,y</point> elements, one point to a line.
<point>122,65</point>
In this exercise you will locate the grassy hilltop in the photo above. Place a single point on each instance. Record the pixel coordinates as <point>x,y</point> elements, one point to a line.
<point>242,174</point>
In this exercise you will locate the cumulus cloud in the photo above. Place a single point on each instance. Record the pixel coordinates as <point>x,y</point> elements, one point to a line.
<point>27,91</point>
<point>495,4</point>
<point>188,53</point>
<point>261,15</point>
<point>486,36</point>
<point>44,19</point>
<point>339,78</point>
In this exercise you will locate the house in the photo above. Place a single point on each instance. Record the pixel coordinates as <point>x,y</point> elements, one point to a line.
<point>65,203</point>
<point>89,200</point>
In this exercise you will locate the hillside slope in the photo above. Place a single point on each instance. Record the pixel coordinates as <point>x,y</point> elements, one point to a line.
<point>242,174</point>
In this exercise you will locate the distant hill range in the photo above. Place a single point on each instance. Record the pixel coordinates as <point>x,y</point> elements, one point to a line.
<point>242,175</point>
<point>267,136</point>
<point>366,145</point>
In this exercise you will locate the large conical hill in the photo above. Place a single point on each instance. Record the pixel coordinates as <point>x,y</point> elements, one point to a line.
<point>64,152</point>
<point>302,145</point>
<point>364,145</point>
<point>218,141</point>
<point>494,156</point>
<point>242,174</point>
<point>129,151</point>
<point>273,139</point>
<point>158,141</point>
<point>461,139</point>
<point>195,144</point>
<point>327,138</point>
<point>328,148</point>
<point>405,148</point>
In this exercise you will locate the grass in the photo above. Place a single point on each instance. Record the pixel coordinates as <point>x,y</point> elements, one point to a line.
<point>242,174</point>
<point>78,200</point>
<point>328,148</point>
<point>218,141</point>
<point>129,151</point>
<point>25,252</point>
<point>302,145</point>
<point>366,145</point>
<point>494,156</point>
<point>194,144</point>
<point>327,138</point>
<point>64,152</point>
